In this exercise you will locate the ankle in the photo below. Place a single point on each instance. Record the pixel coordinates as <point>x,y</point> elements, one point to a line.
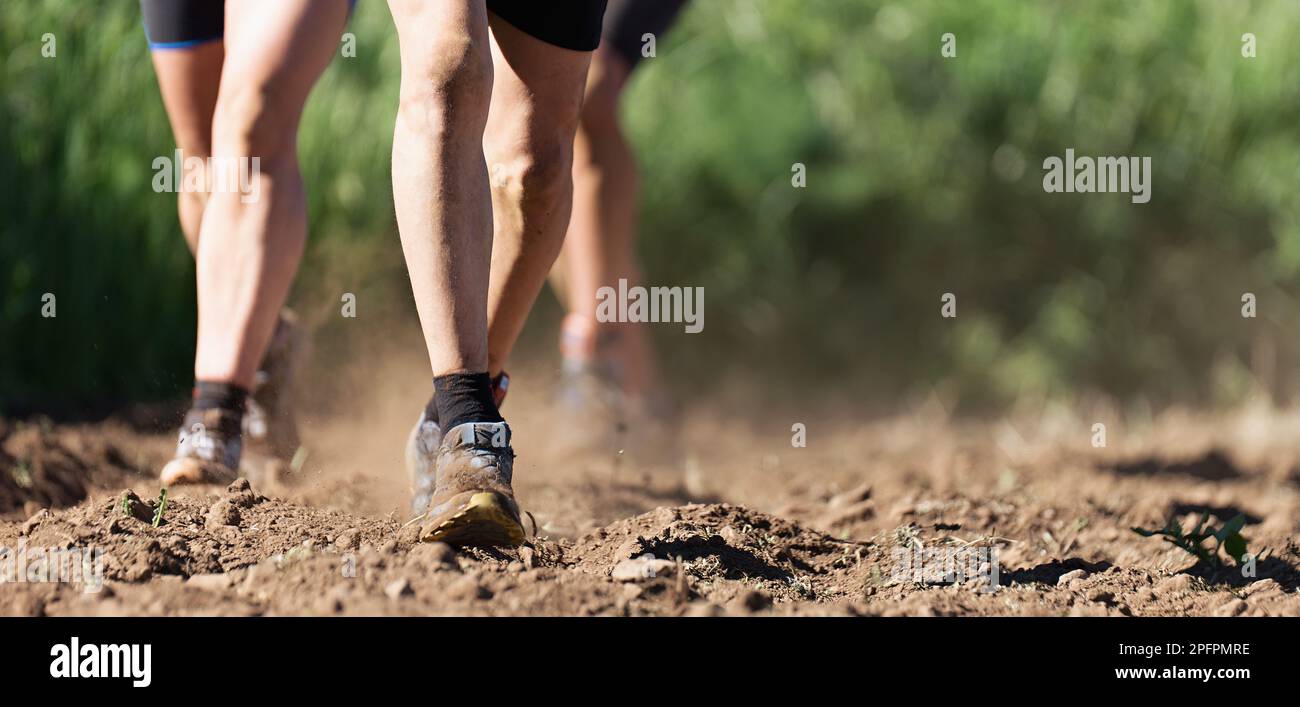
<point>464,397</point>
<point>578,338</point>
<point>500,386</point>
<point>217,395</point>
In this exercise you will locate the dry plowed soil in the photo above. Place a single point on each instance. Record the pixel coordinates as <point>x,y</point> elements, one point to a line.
<point>721,519</point>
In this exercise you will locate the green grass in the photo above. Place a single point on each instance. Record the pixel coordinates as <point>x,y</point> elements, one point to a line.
<point>836,285</point>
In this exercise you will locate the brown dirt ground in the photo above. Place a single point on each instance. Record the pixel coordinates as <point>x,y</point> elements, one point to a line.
<point>747,523</point>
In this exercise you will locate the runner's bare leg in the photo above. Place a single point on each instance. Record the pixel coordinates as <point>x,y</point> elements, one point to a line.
<point>249,248</point>
<point>188,79</point>
<point>600,246</point>
<point>536,100</point>
<point>440,180</point>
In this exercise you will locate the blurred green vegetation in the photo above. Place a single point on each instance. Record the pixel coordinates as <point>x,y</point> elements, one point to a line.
<point>923,177</point>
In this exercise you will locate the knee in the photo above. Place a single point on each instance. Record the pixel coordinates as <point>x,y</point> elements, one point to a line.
<point>249,123</point>
<point>446,84</point>
<point>536,171</point>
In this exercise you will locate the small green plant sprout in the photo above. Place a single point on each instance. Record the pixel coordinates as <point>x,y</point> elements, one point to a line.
<point>1228,538</point>
<point>126,504</point>
<point>162,507</point>
<point>22,475</point>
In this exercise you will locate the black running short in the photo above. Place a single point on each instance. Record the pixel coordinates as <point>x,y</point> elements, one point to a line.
<point>571,24</point>
<point>627,21</point>
<point>177,24</point>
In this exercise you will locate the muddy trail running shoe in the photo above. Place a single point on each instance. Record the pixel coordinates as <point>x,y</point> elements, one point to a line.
<point>270,426</point>
<point>473,503</point>
<point>595,419</point>
<point>422,449</point>
<point>208,450</point>
<point>590,410</point>
<point>651,432</point>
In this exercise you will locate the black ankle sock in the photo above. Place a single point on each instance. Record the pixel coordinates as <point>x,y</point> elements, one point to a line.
<point>499,385</point>
<point>431,407</point>
<point>224,396</point>
<point>464,397</point>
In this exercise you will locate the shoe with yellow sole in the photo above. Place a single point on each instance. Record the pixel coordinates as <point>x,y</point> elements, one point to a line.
<point>473,503</point>
<point>422,446</point>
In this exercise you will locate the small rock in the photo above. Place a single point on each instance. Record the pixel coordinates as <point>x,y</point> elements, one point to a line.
<point>349,539</point>
<point>222,513</point>
<point>398,588</point>
<point>643,567</point>
<point>31,523</point>
<point>515,567</point>
<point>1235,607</point>
<point>432,555</point>
<point>1263,587</point>
<point>241,495</point>
<point>215,582</point>
<point>1071,576</point>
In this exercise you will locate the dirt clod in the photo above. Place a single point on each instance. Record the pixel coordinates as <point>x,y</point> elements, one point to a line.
<point>1234,607</point>
<point>222,513</point>
<point>1070,576</point>
<point>398,588</point>
<point>645,567</point>
<point>434,556</point>
<point>348,539</point>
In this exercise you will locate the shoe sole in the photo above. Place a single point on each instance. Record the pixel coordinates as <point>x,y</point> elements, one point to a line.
<point>485,521</point>
<point>192,472</point>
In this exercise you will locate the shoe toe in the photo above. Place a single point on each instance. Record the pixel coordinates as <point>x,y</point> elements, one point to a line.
<point>474,518</point>
<point>187,470</point>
